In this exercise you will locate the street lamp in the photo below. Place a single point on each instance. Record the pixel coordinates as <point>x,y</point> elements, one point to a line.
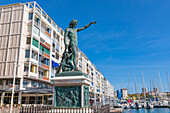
<point>13,86</point>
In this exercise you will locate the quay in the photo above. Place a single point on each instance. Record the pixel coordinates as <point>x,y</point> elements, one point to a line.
<point>116,110</point>
<point>161,106</point>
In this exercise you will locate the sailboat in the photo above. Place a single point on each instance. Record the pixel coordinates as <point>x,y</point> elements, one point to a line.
<point>147,105</point>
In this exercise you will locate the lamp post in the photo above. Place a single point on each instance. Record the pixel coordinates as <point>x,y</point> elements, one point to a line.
<point>13,86</point>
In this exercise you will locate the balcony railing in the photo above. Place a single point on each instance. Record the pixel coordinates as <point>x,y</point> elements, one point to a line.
<point>35,57</point>
<point>44,53</point>
<point>43,65</point>
<point>45,32</point>
<point>37,24</point>
<point>53,49</point>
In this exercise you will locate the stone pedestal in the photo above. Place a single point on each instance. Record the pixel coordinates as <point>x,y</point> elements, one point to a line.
<point>71,90</point>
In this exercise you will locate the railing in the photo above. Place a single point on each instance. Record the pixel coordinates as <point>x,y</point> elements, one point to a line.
<point>41,64</point>
<point>104,109</point>
<point>44,53</point>
<point>100,108</point>
<point>53,49</point>
<point>49,109</point>
<point>44,31</point>
<point>35,57</point>
<point>37,24</point>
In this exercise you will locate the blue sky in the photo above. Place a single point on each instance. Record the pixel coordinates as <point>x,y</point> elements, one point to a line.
<point>129,35</point>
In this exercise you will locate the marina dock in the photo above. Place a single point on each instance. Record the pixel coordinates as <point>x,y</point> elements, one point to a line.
<point>161,106</point>
<point>116,110</point>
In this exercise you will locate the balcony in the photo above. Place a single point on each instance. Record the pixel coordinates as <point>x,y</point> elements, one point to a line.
<point>9,87</point>
<point>33,74</point>
<point>44,31</point>
<point>43,65</point>
<point>45,78</point>
<point>53,49</point>
<point>36,23</point>
<point>45,54</point>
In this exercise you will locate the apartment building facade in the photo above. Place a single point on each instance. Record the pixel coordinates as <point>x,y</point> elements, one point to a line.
<point>31,48</point>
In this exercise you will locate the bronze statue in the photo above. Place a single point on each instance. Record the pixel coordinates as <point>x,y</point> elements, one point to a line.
<point>70,53</point>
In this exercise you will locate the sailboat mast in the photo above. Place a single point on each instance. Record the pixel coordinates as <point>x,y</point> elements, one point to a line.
<point>168,81</point>
<point>151,86</point>
<point>143,85</point>
<point>160,79</point>
<point>129,82</point>
<point>135,86</point>
<point>138,91</point>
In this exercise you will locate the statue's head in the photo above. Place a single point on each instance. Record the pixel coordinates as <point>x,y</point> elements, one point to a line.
<point>73,23</point>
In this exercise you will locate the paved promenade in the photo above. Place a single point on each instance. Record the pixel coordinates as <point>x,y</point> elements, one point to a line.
<point>15,110</point>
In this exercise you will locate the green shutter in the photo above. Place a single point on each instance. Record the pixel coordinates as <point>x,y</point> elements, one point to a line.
<point>35,42</point>
<point>41,47</point>
<point>46,50</point>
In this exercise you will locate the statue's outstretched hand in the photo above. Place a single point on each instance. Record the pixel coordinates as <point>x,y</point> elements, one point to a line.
<point>93,22</point>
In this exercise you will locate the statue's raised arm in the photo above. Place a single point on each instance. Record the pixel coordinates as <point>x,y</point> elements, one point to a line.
<point>86,26</point>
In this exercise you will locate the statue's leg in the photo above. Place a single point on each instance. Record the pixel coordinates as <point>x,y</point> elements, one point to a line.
<point>74,48</point>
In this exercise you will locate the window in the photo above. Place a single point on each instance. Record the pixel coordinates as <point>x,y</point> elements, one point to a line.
<point>39,85</point>
<point>26,68</point>
<point>39,100</point>
<point>17,82</point>
<point>53,56</point>
<point>44,49</point>
<point>25,82</point>
<point>57,46</point>
<point>32,100</point>
<point>49,20</point>
<point>48,30</point>
<point>54,45</point>
<point>36,30</point>
<point>29,28</point>
<point>28,40</point>
<point>53,24</point>
<point>1,82</point>
<point>46,61</point>
<point>27,53</point>
<point>57,56</point>
<point>35,42</point>
<point>38,21</point>
<point>41,73</point>
<point>42,40</point>
<point>9,82</point>
<point>44,85</point>
<point>32,56</point>
<point>24,100</point>
<point>34,84</point>
<point>30,16</point>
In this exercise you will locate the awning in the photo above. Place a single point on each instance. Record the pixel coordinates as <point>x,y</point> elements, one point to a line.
<point>37,90</point>
<point>55,64</point>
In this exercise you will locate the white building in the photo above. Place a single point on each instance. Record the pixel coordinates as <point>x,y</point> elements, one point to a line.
<point>30,39</point>
<point>124,93</point>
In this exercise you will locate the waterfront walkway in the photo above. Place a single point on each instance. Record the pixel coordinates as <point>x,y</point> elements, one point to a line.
<point>116,110</point>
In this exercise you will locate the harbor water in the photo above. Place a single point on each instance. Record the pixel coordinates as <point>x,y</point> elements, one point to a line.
<point>155,110</point>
